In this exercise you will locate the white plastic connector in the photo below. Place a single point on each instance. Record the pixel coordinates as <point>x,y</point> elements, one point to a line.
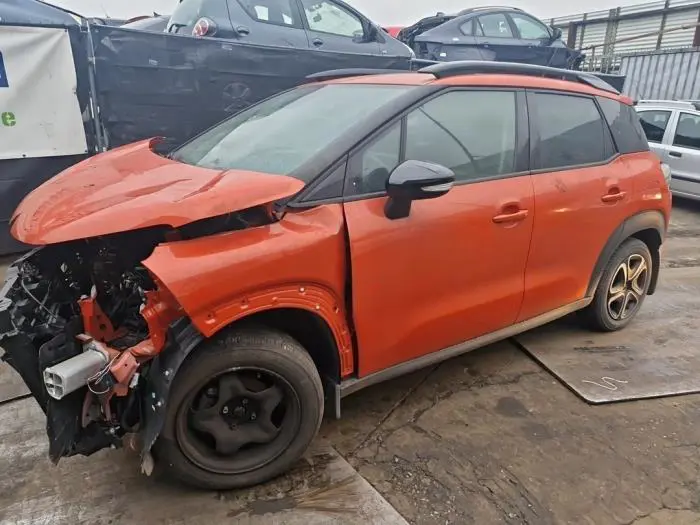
<point>74,373</point>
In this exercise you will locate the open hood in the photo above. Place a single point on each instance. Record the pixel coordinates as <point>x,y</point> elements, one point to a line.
<point>132,187</point>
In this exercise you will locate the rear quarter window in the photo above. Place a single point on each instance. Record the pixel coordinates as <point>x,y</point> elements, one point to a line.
<point>624,125</point>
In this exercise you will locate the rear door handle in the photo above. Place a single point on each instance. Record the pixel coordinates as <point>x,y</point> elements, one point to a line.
<point>317,42</point>
<point>613,197</point>
<point>517,216</point>
<point>675,154</point>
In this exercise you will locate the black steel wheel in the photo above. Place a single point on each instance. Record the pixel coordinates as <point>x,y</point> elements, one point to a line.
<point>242,410</point>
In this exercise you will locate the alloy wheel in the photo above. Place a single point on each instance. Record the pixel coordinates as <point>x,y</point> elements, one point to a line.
<point>628,286</point>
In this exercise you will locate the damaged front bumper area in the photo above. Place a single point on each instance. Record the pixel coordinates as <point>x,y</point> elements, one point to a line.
<point>97,339</point>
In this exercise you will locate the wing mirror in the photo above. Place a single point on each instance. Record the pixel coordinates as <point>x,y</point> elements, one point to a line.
<point>415,180</point>
<point>556,33</point>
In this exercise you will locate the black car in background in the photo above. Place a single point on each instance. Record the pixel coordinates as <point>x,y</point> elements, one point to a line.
<point>503,34</point>
<point>330,25</point>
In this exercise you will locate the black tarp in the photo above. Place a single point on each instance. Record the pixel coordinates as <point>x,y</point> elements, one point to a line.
<point>19,176</point>
<point>158,84</point>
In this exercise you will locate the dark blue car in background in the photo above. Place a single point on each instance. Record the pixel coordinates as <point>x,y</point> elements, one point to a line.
<point>503,34</point>
<point>329,25</point>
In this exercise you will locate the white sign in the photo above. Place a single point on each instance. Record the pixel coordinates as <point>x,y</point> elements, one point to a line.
<point>39,110</point>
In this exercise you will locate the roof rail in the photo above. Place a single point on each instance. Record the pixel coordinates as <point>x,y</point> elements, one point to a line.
<point>474,67</point>
<point>334,74</point>
<point>679,104</point>
<point>488,8</point>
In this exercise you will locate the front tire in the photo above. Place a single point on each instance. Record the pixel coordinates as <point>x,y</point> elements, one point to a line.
<point>622,288</point>
<point>242,410</point>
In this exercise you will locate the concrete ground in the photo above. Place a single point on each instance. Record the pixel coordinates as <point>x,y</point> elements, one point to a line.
<point>489,437</point>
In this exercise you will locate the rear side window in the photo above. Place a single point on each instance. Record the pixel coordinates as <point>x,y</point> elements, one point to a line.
<point>688,131</point>
<point>630,136</point>
<point>467,28</point>
<point>570,129</point>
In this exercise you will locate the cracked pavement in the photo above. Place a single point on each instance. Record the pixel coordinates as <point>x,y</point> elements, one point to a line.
<point>491,437</point>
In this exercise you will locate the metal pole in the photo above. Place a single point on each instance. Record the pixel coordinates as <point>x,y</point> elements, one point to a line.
<point>94,107</point>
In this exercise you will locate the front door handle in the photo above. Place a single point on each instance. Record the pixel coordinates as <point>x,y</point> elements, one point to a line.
<point>517,216</point>
<point>242,30</point>
<point>676,154</point>
<point>613,197</point>
<point>317,42</point>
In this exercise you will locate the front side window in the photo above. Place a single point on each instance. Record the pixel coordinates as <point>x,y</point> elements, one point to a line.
<point>471,132</point>
<point>373,165</point>
<point>529,28</point>
<point>279,12</point>
<point>495,26</point>
<point>688,131</point>
<point>571,131</point>
<point>654,124</point>
<point>328,17</point>
<point>283,133</point>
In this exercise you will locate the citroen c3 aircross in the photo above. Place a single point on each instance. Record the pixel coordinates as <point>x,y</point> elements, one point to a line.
<point>207,304</point>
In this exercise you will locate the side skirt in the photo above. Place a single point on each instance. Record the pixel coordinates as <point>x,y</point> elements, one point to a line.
<point>353,385</point>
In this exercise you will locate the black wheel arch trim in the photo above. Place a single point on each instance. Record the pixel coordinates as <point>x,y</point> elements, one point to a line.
<point>182,338</point>
<point>648,220</point>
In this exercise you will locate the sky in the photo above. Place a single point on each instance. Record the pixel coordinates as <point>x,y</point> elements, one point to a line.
<point>384,12</point>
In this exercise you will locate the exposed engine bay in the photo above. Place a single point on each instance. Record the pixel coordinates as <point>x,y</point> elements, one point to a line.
<point>83,321</point>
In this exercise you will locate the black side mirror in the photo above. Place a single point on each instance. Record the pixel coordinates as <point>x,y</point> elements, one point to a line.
<point>556,33</point>
<point>415,180</point>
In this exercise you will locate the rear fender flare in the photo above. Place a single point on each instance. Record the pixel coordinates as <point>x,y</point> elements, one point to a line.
<point>305,296</point>
<point>648,220</point>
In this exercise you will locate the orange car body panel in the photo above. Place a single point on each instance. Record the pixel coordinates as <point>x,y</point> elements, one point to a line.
<point>132,187</point>
<point>298,262</point>
<point>573,224</point>
<point>445,274</point>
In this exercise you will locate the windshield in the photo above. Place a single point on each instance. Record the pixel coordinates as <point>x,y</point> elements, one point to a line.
<point>281,134</point>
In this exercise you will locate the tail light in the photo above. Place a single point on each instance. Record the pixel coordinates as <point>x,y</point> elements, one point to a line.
<point>204,27</point>
<point>667,173</point>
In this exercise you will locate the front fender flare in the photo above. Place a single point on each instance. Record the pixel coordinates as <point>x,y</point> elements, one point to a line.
<point>305,296</point>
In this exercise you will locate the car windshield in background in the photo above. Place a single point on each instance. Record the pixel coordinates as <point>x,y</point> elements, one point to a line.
<point>281,134</point>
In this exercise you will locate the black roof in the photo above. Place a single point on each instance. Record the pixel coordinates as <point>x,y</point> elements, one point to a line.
<point>34,13</point>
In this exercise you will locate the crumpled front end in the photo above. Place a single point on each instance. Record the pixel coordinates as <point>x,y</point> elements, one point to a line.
<point>85,325</point>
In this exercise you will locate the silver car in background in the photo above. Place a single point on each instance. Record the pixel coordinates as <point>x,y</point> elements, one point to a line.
<point>673,131</point>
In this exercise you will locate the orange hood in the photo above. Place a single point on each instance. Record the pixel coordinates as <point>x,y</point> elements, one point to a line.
<point>132,187</point>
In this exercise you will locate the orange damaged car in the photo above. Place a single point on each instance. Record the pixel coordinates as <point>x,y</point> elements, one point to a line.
<point>204,306</point>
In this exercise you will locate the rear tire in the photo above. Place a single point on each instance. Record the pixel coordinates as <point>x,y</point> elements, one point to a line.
<point>622,288</point>
<point>242,410</point>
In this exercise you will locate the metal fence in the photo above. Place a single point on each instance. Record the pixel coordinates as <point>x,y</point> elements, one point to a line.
<point>672,75</point>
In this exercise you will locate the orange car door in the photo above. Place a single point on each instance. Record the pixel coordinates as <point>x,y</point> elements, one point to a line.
<point>583,192</point>
<point>454,268</point>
